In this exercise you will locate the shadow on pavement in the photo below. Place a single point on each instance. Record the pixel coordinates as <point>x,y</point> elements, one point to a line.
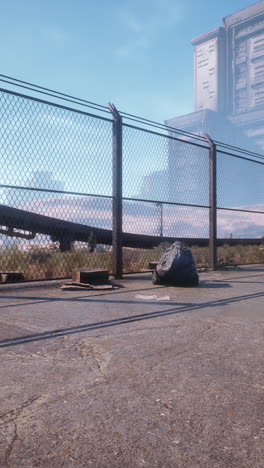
<point>43,299</point>
<point>123,320</point>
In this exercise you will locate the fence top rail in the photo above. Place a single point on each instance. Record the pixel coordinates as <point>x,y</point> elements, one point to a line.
<point>17,83</point>
<point>54,104</point>
<point>239,150</point>
<point>171,137</point>
<point>84,102</point>
<point>162,126</point>
<point>240,157</point>
<point>47,91</point>
<point>144,122</point>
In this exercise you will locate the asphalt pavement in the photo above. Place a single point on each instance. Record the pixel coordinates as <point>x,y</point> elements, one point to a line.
<point>109,379</point>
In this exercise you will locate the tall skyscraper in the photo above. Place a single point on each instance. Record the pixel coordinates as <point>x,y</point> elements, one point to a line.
<point>229,81</point>
<point>229,106</point>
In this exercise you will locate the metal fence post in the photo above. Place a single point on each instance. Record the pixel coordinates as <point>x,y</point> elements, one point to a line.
<point>212,203</point>
<point>117,255</point>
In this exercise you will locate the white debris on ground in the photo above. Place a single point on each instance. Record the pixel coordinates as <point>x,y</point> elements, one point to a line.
<point>152,298</point>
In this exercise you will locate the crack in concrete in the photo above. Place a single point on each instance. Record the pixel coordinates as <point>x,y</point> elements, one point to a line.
<point>158,327</point>
<point>11,445</point>
<point>99,366</point>
<point>89,351</point>
<point>186,349</point>
<point>12,415</point>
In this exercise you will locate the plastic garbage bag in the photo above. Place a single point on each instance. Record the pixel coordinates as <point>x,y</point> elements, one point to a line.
<point>176,267</point>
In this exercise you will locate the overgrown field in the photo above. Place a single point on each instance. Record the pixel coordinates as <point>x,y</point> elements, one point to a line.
<point>50,263</point>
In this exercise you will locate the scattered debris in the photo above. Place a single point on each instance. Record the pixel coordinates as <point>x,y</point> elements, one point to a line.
<point>168,405</point>
<point>152,265</point>
<point>93,278</point>
<point>84,275</point>
<point>70,285</point>
<point>153,298</point>
<point>11,276</point>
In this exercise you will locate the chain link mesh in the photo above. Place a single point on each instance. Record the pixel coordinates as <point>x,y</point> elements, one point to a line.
<point>47,151</point>
<point>240,190</point>
<point>57,163</point>
<point>239,183</point>
<point>164,170</point>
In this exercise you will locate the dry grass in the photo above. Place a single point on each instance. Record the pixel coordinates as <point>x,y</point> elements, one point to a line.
<point>51,263</point>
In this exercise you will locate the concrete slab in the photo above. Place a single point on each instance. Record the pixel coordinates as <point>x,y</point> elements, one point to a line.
<point>104,379</point>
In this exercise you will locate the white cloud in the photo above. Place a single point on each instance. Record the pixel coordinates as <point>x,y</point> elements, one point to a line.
<point>55,35</point>
<point>132,47</point>
<point>146,21</point>
<point>143,218</point>
<point>134,24</point>
<point>153,16</point>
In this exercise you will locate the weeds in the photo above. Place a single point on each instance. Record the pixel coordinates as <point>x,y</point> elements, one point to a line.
<point>50,263</point>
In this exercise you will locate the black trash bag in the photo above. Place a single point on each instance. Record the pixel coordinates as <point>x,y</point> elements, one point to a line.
<point>176,267</point>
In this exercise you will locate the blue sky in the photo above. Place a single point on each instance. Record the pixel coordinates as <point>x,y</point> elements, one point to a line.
<point>137,54</point>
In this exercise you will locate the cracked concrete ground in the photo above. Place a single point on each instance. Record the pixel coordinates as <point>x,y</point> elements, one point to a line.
<point>103,379</point>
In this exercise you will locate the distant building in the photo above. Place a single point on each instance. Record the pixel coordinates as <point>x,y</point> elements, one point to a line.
<point>229,81</point>
<point>229,101</point>
<point>155,186</point>
<point>228,105</point>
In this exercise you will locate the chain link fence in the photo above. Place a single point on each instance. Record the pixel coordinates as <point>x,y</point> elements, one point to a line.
<point>66,163</point>
<point>56,162</point>
<point>167,178</point>
<point>240,202</point>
